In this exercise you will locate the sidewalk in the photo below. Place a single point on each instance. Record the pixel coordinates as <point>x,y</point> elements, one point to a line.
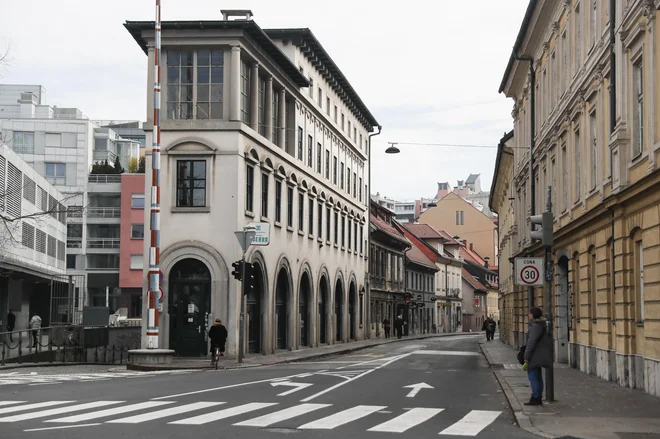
<point>585,406</point>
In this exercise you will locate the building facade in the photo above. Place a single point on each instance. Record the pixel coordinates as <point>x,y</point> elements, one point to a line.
<point>131,243</point>
<point>33,242</point>
<point>258,126</point>
<point>595,143</point>
<point>420,283</point>
<point>474,302</point>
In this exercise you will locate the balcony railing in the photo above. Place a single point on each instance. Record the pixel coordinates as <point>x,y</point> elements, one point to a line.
<point>103,243</point>
<point>74,242</point>
<point>100,155</point>
<point>103,212</point>
<point>104,178</point>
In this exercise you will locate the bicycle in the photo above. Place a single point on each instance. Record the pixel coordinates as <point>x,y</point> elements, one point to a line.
<point>216,357</point>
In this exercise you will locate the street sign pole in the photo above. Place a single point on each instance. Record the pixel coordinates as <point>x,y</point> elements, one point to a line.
<point>549,372</point>
<point>245,238</point>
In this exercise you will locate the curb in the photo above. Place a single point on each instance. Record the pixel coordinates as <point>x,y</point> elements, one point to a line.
<point>28,365</point>
<point>522,420</point>
<point>316,356</point>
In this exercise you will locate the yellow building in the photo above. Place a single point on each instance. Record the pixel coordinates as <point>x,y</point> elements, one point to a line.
<point>592,127</point>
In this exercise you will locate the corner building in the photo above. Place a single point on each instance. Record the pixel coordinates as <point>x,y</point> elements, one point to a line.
<point>258,126</point>
<point>595,89</point>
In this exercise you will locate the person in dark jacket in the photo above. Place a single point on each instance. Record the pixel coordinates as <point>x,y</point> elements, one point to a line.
<point>386,326</point>
<point>218,336</point>
<point>538,354</point>
<point>11,323</point>
<point>489,326</point>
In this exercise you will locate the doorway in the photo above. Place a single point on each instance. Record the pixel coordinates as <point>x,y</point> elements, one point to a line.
<point>281,305</point>
<point>339,302</point>
<point>303,309</point>
<point>253,302</point>
<point>323,300</point>
<point>561,348</point>
<point>189,304</point>
<point>351,311</point>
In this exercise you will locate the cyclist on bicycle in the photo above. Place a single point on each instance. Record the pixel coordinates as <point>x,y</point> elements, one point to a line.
<point>218,336</point>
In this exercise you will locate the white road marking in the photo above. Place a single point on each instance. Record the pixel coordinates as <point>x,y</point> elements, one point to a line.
<point>341,418</point>
<point>416,388</point>
<point>472,423</point>
<point>222,414</point>
<point>37,405</point>
<point>282,415</point>
<point>57,411</point>
<point>108,412</point>
<point>459,353</point>
<point>11,402</point>
<point>224,387</point>
<point>164,413</point>
<point>297,386</point>
<point>407,420</point>
<point>323,392</point>
<point>62,427</point>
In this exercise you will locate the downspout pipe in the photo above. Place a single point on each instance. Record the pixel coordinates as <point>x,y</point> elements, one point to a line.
<point>367,251</point>
<point>612,78</point>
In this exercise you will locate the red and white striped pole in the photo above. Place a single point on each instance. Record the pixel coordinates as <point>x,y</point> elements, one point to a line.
<point>154,250</point>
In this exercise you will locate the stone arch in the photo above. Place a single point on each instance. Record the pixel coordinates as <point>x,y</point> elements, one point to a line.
<point>259,307</point>
<point>221,300</point>
<point>306,305</point>
<point>190,143</point>
<point>281,171</point>
<point>340,305</point>
<point>253,153</point>
<point>324,304</point>
<point>267,163</point>
<point>353,307</point>
<point>283,302</point>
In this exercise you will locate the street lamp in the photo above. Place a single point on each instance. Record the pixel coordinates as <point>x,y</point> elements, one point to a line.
<point>392,149</point>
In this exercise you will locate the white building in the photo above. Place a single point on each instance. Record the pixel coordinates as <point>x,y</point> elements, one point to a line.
<point>60,144</point>
<point>32,240</point>
<point>258,125</point>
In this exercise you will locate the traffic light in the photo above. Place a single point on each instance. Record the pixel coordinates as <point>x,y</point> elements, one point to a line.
<point>238,270</point>
<point>249,278</point>
<point>545,233</point>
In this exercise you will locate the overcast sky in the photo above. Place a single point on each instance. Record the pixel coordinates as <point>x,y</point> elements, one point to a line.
<point>428,70</point>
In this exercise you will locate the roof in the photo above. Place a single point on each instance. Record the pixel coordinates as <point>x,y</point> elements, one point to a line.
<point>388,229</point>
<point>500,150</point>
<point>248,26</point>
<point>316,53</point>
<point>519,40</point>
<point>472,178</point>
<point>473,281</point>
<point>417,256</point>
<point>423,231</point>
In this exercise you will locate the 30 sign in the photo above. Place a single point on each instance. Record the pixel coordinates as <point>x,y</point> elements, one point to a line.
<point>529,271</point>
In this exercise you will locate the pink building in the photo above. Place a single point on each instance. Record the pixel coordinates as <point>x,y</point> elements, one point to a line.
<point>131,242</point>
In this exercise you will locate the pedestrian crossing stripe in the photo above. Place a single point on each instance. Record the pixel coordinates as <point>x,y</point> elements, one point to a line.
<point>109,412</point>
<point>33,378</point>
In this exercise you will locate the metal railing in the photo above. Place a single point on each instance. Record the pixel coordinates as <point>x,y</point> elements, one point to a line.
<point>103,243</point>
<point>104,178</point>
<point>74,242</point>
<point>103,212</point>
<point>104,154</point>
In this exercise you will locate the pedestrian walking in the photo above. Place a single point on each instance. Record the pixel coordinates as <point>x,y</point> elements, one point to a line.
<point>538,354</point>
<point>35,326</point>
<point>489,326</point>
<point>218,336</point>
<point>386,326</point>
<point>398,326</point>
<point>11,323</point>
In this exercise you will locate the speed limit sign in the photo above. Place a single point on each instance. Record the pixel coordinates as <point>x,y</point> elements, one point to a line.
<point>529,271</point>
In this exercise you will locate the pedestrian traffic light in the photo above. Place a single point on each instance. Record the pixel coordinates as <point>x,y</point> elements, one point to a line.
<point>545,233</point>
<point>248,278</point>
<point>238,270</point>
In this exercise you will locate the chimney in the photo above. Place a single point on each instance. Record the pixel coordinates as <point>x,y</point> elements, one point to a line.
<point>244,14</point>
<point>472,246</point>
<point>464,241</point>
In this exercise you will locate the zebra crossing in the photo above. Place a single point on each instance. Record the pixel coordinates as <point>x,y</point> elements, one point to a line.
<point>268,414</point>
<point>34,379</point>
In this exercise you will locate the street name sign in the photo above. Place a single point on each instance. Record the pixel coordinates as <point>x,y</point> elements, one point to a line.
<point>262,233</point>
<point>529,271</point>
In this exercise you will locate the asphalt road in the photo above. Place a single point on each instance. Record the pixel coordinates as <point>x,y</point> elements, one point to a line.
<point>438,387</point>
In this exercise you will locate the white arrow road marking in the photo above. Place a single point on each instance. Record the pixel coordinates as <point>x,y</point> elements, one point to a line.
<point>416,388</point>
<point>298,386</point>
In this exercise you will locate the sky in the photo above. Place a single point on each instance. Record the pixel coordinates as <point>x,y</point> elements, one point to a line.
<point>428,70</point>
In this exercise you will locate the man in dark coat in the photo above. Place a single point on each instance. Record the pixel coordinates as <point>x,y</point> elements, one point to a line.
<point>218,336</point>
<point>489,326</point>
<point>11,323</point>
<point>538,354</point>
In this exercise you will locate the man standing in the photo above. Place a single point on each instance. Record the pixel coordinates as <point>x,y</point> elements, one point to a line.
<point>35,326</point>
<point>538,354</point>
<point>489,327</point>
<point>11,323</point>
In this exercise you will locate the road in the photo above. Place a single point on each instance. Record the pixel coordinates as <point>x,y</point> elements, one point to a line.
<point>439,387</point>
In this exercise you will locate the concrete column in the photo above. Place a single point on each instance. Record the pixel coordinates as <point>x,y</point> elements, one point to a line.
<point>235,84</point>
<point>269,109</point>
<point>282,120</point>
<point>254,96</point>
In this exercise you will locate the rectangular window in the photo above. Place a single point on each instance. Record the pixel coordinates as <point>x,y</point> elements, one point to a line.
<point>638,109</point>
<point>137,231</point>
<point>319,151</point>
<point>564,61</point>
<point>593,157</point>
<point>334,170</point>
<point>327,106</point>
<point>311,217</point>
<point>564,180</point>
<point>320,97</point>
<point>354,184</point>
<point>576,164</point>
<point>276,115</point>
<point>319,219</point>
<point>336,114</point>
<point>311,87</point>
<point>23,142</point>
<point>262,107</point>
<point>210,79</point>
<point>137,262</point>
<point>289,210</point>
<point>327,223</point>
<point>180,83</point>
<point>578,41</point>
<point>360,189</point>
<point>327,164</point>
<point>301,211</point>
<point>348,180</point>
<point>350,233</point>
<point>592,23</point>
<point>249,188</point>
<point>264,195</point>
<point>355,246</point>
<point>343,126</point>
<point>56,173</point>
<point>343,231</point>
<point>462,217</point>
<point>191,183</point>
<point>137,201</point>
<point>300,143</point>
<point>336,228</point>
<point>310,147</point>
<point>639,250</point>
<point>246,93</point>
<point>341,176</point>
<point>360,143</point>
<point>278,201</point>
